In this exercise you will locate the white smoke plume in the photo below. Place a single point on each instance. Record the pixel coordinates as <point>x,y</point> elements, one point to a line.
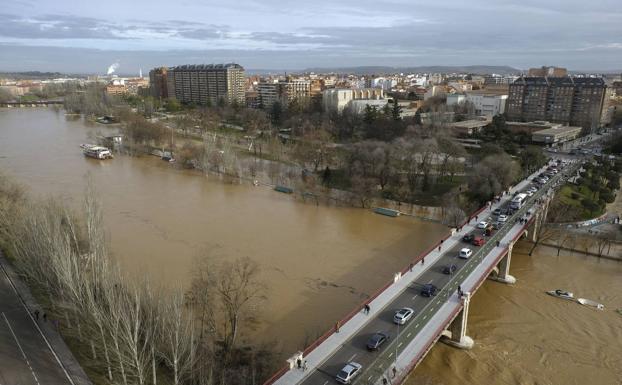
<point>113,67</point>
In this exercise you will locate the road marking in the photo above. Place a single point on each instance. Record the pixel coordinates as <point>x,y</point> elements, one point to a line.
<point>391,354</point>
<point>368,379</point>
<point>351,358</point>
<point>408,335</point>
<point>416,295</point>
<point>430,281</point>
<point>400,344</point>
<point>37,325</point>
<point>20,348</point>
<point>325,382</point>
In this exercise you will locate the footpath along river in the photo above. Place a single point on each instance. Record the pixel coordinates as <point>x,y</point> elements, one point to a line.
<point>318,262</point>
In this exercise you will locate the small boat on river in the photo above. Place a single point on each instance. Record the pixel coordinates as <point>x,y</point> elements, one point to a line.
<point>561,294</point>
<point>97,152</point>
<point>589,302</point>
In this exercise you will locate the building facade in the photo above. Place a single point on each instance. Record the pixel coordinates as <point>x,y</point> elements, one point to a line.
<point>158,86</point>
<point>566,100</point>
<point>552,72</point>
<point>207,83</point>
<point>337,99</point>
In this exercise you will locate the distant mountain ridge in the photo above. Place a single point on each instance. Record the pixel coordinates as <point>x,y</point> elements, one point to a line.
<point>369,70</point>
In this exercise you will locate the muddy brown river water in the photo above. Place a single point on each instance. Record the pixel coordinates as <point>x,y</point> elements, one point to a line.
<point>318,262</point>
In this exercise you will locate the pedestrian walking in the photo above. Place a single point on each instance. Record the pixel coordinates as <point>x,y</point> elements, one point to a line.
<point>411,266</point>
<point>304,366</point>
<point>367,309</point>
<point>439,247</point>
<point>423,261</point>
<point>384,381</point>
<point>337,327</point>
<point>459,291</point>
<point>498,243</point>
<point>476,218</point>
<point>394,372</point>
<point>45,317</point>
<point>299,363</point>
<point>37,315</point>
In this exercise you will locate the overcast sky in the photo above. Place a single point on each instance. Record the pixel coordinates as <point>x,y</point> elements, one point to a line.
<point>86,36</point>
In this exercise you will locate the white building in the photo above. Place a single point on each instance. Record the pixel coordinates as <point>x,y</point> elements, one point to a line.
<point>358,106</point>
<point>486,103</point>
<point>337,99</point>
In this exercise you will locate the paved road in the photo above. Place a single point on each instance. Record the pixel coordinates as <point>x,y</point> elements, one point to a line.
<point>355,348</point>
<point>25,358</point>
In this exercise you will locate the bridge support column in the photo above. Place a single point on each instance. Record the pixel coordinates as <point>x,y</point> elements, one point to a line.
<point>455,335</point>
<point>503,268</point>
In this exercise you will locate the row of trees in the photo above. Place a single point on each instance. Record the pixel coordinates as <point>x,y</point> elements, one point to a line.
<point>134,333</point>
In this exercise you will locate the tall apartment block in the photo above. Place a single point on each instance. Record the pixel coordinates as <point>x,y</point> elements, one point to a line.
<point>158,83</point>
<point>284,92</point>
<point>207,83</point>
<point>570,101</point>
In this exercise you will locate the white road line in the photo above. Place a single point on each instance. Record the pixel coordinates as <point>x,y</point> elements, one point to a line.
<point>20,348</point>
<point>407,335</point>
<point>351,358</point>
<point>400,344</point>
<point>390,355</point>
<point>368,379</point>
<point>325,382</point>
<point>37,325</point>
<point>416,295</point>
<point>431,281</point>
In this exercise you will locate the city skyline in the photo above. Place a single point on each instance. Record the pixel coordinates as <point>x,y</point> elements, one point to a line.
<point>269,35</point>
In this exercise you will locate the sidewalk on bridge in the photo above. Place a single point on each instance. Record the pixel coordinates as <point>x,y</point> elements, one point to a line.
<point>54,340</point>
<point>322,352</point>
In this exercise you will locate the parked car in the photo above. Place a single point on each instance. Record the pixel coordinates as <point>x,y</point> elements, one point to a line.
<point>377,340</point>
<point>482,225</point>
<point>403,315</point>
<point>465,253</point>
<point>478,241</point>
<point>497,225</point>
<point>449,269</point>
<point>429,290</point>
<point>489,230</point>
<point>468,238</point>
<point>502,218</point>
<point>496,212</point>
<point>351,370</point>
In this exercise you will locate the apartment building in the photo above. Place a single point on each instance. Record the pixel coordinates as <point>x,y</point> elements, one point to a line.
<point>158,87</point>
<point>551,72</point>
<point>570,101</point>
<point>207,83</point>
<point>284,92</point>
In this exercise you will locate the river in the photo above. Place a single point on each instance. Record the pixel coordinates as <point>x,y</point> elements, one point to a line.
<point>319,262</point>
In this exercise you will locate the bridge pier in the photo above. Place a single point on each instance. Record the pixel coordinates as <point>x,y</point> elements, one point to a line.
<point>503,268</point>
<point>455,335</point>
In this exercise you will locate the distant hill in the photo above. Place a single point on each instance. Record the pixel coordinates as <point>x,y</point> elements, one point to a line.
<point>369,70</point>
<point>31,75</point>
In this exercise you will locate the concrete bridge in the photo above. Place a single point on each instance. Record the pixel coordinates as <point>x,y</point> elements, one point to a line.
<point>443,316</point>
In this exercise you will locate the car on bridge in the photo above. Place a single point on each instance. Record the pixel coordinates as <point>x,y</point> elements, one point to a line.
<point>502,218</point>
<point>497,225</point>
<point>351,370</point>
<point>477,241</point>
<point>497,212</point>
<point>377,340</point>
<point>482,225</point>
<point>403,315</point>
<point>449,269</point>
<point>468,238</point>
<point>429,290</point>
<point>465,253</point>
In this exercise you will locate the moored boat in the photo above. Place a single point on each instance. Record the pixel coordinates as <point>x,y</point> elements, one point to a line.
<point>97,152</point>
<point>589,302</point>
<point>561,294</point>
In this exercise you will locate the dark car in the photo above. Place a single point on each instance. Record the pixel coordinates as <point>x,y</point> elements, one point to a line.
<point>449,269</point>
<point>497,212</point>
<point>377,340</point>
<point>429,290</point>
<point>468,238</point>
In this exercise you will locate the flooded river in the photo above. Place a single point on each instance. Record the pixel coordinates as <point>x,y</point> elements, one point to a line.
<point>320,261</point>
